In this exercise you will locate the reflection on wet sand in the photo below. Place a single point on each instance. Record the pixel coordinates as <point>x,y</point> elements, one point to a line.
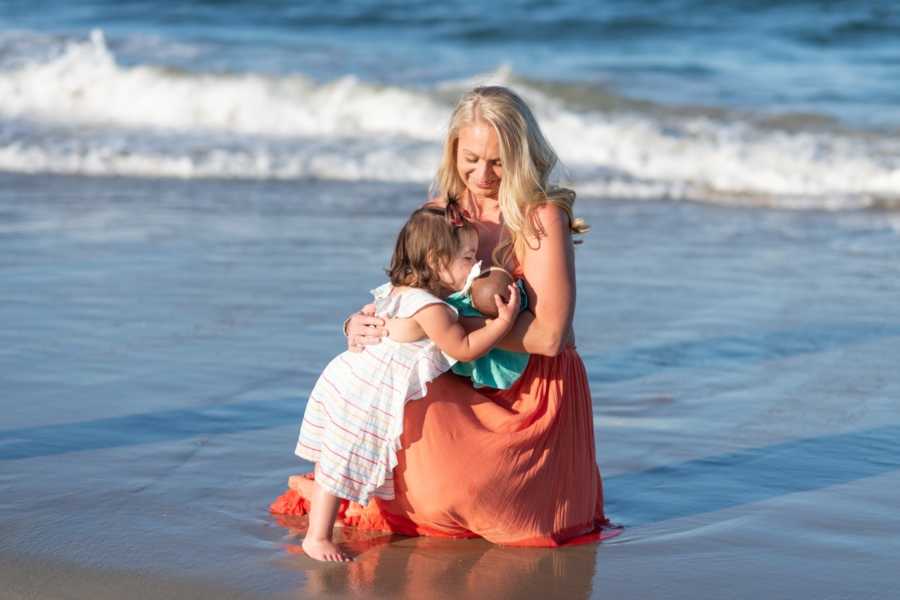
<point>389,566</point>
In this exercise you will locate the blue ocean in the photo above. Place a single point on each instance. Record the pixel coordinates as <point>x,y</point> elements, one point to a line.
<point>193,196</point>
<point>791,105</point>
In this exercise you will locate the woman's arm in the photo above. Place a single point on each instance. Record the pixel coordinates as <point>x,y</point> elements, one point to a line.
<point>549,268</point>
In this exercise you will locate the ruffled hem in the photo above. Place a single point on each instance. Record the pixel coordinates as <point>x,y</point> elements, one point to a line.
<point>346,476</point>
<point>293,504</point>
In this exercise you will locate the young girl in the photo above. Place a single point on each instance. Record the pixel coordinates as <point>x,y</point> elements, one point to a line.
<point>354,416</point>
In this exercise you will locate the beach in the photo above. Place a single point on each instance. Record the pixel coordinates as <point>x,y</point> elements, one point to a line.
<point>159,339</point>
<point>193,199</point>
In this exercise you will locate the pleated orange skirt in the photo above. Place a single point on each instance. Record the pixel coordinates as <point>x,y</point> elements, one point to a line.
<point>516,467</point>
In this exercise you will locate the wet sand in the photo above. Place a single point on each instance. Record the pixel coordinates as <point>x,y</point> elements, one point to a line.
<point>157,340</point>
<point>30,578</point>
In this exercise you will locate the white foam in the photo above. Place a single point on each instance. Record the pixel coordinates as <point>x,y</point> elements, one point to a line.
<point>109,119</point>
<point>259,159</point>
<point>702,158</point>
<point>85,85</point>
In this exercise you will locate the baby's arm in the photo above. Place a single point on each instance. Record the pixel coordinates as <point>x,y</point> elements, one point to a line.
<point>440,325</point>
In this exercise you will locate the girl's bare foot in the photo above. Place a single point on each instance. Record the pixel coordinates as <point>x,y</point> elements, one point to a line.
<point>324,550</point>
<point>323,509</point>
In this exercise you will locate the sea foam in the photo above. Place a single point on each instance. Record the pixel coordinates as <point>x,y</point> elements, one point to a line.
<point>79,111</point>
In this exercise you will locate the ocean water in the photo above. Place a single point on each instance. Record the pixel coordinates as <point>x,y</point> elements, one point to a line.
<point>745,102</point>
<point>159,338</point>
<point>193,197</point>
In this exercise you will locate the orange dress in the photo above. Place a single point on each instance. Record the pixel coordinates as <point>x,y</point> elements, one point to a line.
<point>516,467</point>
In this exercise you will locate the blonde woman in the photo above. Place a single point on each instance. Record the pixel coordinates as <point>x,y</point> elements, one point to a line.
<point>514,466</point>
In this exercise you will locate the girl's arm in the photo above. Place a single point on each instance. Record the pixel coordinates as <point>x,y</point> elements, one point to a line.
<point>441,326</point>
<point>549,267</point>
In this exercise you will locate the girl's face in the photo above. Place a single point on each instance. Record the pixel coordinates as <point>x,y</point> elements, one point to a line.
<point>478,159</point>
<point>454,275</point>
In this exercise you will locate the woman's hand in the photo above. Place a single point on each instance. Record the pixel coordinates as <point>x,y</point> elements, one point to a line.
<point>364,328</point>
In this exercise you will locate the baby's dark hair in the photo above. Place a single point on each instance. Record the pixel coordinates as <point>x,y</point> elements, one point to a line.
<point>428,241</point>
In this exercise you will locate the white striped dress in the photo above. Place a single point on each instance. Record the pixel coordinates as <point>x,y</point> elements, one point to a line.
<point>354,416</point>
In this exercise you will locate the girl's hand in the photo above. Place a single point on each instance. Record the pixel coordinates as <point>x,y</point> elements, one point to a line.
<point>509,310</point>
<point>364,328</point>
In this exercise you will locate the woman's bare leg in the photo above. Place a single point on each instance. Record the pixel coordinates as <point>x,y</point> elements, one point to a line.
<point>302,484</point>
<point>317,544</point>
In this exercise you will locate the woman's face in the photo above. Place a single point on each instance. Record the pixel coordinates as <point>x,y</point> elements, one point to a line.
<point>478,159</point>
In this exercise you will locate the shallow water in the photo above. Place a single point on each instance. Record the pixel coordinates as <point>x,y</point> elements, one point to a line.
<point>157,339</point>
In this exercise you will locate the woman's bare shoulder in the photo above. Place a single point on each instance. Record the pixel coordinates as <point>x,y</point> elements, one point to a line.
<point>548,220</point>
<point>549,213</point>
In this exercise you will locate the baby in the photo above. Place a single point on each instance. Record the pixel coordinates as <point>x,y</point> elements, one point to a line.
<point>499,368</point>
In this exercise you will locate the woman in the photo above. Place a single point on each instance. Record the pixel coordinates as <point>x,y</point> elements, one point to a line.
<point>515,466</point>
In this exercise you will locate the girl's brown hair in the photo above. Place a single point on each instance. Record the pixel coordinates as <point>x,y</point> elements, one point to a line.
<point>428,241</point>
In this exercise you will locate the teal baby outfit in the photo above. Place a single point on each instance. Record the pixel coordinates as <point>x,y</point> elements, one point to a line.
<point>498,368</point>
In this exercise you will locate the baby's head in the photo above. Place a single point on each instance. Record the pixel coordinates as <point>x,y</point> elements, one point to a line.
<point>493,281</point>
<point>435,250</point>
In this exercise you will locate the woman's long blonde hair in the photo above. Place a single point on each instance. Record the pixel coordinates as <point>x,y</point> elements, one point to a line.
<point>527,159</point>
